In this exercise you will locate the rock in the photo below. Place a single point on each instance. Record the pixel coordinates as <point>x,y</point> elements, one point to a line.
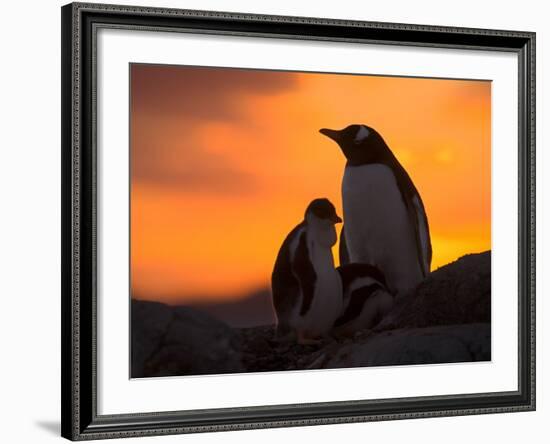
<point>458,293</point>
<point>433,345</point>
<point>262,352</point>
<point>447,319</point>
<point>181,341</point>
<point>150,321</point>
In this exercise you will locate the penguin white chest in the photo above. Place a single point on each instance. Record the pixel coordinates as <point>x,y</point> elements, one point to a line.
<point>377,226</point>
<point>327,301</point>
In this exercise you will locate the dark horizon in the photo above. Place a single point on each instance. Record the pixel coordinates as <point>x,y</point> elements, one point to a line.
<point>252,309</point>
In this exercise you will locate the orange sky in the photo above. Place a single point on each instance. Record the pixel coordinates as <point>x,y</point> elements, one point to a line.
<point>224,162</point>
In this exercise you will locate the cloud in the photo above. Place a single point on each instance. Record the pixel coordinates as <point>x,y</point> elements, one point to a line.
<point>195,169</point>
<point>171,105</point>
<point>201,93</point>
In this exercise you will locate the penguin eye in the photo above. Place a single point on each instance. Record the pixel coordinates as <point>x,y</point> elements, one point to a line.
<point>361,135</point>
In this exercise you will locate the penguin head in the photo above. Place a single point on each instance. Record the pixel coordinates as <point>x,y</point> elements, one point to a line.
<point>322,210</point>
<point>360,144</point>
<point>321,217</point>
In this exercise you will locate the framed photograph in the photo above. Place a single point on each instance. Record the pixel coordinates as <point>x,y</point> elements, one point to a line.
<point>280,221</point>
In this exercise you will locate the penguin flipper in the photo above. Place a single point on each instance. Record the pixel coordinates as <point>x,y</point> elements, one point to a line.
<point>285,288</point>
<point>423,242</point>
<point>343,249</point>
<point>305,273</point>
<point>285,295</point>
<point>417,217</point>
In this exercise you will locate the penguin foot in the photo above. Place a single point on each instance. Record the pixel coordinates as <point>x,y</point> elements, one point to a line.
<point>285,338</point>
<point>340,335</point>
<point>304,340</point>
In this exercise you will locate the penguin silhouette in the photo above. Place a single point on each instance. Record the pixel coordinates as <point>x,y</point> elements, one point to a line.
<point>385,220</point>
<point>306,288</point>
<point>366,298</point>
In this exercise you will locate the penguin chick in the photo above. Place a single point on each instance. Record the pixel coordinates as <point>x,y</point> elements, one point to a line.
<point>366,299</point>
<point>306,288</point>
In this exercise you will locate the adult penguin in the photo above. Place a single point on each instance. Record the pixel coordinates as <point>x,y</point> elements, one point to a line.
<point>385,220</point>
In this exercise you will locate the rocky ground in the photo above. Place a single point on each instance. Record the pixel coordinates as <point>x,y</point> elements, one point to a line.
<point>447,319</point>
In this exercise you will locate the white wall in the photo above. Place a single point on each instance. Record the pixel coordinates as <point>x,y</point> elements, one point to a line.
<point>29,222</point>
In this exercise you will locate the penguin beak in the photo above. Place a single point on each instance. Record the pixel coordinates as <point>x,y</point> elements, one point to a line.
<point>331,134</point>
<point>337,219</point>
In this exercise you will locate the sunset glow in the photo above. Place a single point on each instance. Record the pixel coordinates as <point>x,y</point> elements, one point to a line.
<point>225,161</point>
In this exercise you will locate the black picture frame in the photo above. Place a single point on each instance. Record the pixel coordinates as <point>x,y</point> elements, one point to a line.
<point>78,333</point>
